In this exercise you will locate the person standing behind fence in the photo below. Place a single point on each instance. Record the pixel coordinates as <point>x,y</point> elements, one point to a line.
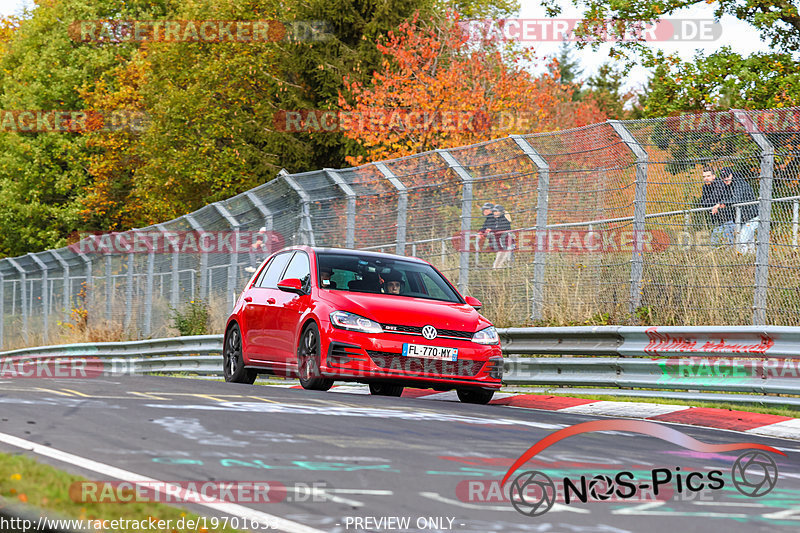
<point>504,236</point>
<point>259,250</point>
<point>738,191</point>
<point>712,196</point>
<point>488,223</point>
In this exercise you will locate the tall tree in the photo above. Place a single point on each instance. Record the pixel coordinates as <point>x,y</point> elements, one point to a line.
<point>713,81</point>
<point>429,71</point>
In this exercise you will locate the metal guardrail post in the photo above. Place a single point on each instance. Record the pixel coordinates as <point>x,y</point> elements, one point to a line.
<point>350,231</point>
<point>203,260</point>
<point>466,215</point>
<point>639,211</point>
<point>45,296</point>
<point>542,200</point>
<point>23,296</point>
<point>764,217</point>
<point>233,265</point>
<point>402,207</point>
<point>306,229</point>
<point>65,285</point>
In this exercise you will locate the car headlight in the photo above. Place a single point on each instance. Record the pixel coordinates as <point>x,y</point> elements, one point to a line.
<point>353,322</point>
<point>486,336</point>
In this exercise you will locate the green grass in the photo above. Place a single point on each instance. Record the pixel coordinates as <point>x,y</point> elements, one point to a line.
<point>25,481</point>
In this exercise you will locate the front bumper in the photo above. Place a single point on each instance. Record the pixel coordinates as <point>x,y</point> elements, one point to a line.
<point>354,356</point>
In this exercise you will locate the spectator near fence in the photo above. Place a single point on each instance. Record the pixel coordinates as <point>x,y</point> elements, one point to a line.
<point>503,235</point>
<point>259,250</point>
<point>712,196</point>
<point>738,191</point>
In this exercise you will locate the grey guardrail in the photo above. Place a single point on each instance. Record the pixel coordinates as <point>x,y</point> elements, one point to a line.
<point>743,359</point>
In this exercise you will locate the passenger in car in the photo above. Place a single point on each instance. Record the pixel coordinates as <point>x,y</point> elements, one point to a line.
<point>325,274</point>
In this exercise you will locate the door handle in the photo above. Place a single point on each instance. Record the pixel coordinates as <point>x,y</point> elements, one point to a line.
<point>248,298</point>
<point>270,301</point>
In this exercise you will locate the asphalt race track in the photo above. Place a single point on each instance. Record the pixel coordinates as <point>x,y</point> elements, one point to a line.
<point>344,457</point>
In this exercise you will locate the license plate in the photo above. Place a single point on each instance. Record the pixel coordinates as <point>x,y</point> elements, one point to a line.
<point>430,352</point>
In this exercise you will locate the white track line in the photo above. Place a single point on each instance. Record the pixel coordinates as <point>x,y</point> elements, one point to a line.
<point>267,520</point>
<point>626,409</point>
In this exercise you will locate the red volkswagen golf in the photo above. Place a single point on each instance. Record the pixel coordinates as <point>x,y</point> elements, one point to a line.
<point>325,314</point>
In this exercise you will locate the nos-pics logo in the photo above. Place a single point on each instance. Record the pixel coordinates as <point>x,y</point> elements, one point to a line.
<point>533,493</point>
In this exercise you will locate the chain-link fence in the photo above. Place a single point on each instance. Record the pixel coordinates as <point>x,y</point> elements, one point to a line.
<point>610,223</point>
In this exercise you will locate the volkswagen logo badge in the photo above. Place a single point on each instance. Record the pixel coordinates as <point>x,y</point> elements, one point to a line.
<point>429,332</point>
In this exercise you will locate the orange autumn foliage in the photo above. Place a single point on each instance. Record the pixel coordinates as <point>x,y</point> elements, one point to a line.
<point>439,70</point>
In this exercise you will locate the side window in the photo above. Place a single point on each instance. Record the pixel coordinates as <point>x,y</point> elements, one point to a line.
<point>274,270</point>
<point>257,282</point>
<point>300,268</point>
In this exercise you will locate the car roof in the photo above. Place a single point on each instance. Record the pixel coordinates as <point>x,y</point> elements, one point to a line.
<point>361,253</point>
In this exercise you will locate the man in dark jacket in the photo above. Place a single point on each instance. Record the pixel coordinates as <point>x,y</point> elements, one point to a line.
<point>712,196</point>
<point>505,239</point>
<point>737,191</point>
<point>488,223</point>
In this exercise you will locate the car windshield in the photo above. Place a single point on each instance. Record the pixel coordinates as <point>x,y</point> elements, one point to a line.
<point>379,275</point>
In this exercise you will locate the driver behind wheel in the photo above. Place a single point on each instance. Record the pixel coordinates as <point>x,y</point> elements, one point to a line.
<point>392,282</point>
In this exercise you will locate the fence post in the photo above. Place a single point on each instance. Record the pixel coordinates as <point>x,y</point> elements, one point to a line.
<point>306,230</point>
<point>639,211</point>
<point>233,265</point>
<point>764,217</point>
<point>89,294</point>
<point>23,296</point>
<point>45,291</point>
<point>148,292</point>
<point>542,200</point>
<point>65,285</point>
<point>466,216</point>
<point>109,287</point>
<point>350,232</point>
<point>203,259</point>
<point>402,207</point>
<point>795,222</point>
<point>128,292</point>
<point>174,275</point>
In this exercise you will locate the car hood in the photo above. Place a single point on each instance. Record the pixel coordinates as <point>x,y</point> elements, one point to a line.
<point>408,311</point>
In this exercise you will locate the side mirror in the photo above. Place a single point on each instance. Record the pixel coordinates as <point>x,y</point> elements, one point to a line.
<point>474,302</point>
<point>291,285</point>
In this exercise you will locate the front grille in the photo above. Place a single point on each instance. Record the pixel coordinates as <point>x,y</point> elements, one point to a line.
<point>418,365</point>
<point>417,330</point>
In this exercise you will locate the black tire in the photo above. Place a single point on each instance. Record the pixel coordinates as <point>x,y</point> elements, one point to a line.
<point>308,359</point>
<point>480,396</point>
<point>385,389</point>
<point>232,361</point>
